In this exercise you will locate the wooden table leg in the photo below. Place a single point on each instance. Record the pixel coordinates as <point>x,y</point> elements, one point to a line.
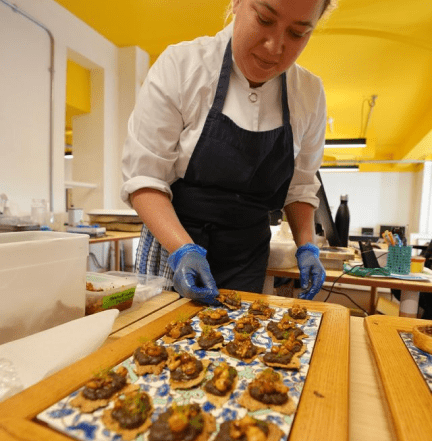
<point>409,301</point>
<point>373,300</point>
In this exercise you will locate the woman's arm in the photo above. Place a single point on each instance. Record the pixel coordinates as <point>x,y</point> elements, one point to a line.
<point>300,217</point>
<point>157,212</point>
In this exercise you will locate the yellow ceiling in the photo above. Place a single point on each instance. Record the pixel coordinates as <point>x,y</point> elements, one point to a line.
<point>365,48</point>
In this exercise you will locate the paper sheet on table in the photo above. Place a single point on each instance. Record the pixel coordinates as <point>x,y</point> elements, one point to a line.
<point>30,359</point>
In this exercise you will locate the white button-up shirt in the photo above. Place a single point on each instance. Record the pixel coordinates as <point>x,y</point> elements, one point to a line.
<point>176,97</point>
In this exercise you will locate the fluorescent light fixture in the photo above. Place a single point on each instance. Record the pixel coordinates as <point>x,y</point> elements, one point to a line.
<point>345,143</point>
<point>339,169</point>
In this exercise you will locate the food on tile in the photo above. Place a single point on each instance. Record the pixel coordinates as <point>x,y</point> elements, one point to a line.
<point>260,308</point>
<point>230,298</point>
<point>220,386</point>
<point>150,358</point>
<point>283,329</point>
<point>267,391</point>
<point>209,339</point>
<point>298,313</point>
<point>100,389</point>
<point>242,348</point>
<point>247,324</point>
<point>178,330</point>
<point>130,414</point>
<point>182,423</point>
<point>286,355</point>
<point>186,370</point>
<point>248,429</point>
<point>214,317</point>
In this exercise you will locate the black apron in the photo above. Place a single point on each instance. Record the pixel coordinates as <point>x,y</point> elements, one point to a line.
<point>234,178</point>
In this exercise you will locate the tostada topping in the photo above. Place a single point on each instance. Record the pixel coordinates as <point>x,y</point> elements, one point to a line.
<point>282,354</point>
<point>184,366</point>
<point>222,381</point>
<point>231,299</point>
<point>214,317</point>
<point>179,328</point>
<point>261,308</point>
<point>132,409</point>
<point>242,347</point>
<point>247,324</point>
<point>150,353</point>
<point>284,328</point>
<point>268,388</point>
<point>178,423</point>
<point>209,338</point>
<point>297,312</point>
<point>245,429</point>
<point>105,385</point>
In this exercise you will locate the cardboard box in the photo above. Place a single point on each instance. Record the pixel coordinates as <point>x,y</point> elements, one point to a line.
<point>42,281</point>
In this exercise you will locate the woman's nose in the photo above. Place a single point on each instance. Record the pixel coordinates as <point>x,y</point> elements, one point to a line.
<point>275,43</point>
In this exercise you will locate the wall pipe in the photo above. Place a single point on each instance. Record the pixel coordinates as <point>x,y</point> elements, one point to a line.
<point>51,70</point>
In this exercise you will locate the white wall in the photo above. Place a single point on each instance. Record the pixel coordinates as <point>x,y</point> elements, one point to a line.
<point>375,199</point>
<point>24,103</point>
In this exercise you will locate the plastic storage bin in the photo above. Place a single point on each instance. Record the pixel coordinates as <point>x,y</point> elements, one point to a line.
<point>399,259</point>
<point>106,291</point>
<point>42,281</point>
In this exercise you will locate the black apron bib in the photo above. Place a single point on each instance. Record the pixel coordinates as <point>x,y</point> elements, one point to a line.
<point>234,178</point>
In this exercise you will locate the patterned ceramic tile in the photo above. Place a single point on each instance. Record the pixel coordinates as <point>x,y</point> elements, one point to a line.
<point>85,427</point>
<point>422,359</point>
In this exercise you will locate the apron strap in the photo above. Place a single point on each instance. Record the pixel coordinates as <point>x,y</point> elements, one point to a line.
<point>224,78</point>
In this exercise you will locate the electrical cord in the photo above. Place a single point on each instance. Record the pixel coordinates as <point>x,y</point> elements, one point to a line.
<point>345,295</point>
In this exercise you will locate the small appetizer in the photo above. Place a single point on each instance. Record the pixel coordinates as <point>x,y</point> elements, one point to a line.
<point>219,388</point>
<point>287,355</point>
<point>99,390</point>
<point>186,370</point>
<point>283,329</point>
<point>298,313</point>
<point>267,391</point>
<point>242,348</point>
<point>182,423</point>
<point>130,415</point>
<point>422,338</point>
<point>247,324</point>
<point>178,330</point>
<point>209,339</point>
<point>150,358</point>
<point>261,309</point>
<point>231,299</point>
<point>214,317</point>
<point>248,428</point>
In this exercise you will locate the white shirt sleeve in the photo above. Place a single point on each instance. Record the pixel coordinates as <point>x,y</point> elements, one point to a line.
<point>304,184</point>
<point>154,129</point>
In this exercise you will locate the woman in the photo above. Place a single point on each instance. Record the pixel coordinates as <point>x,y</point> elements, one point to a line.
<point>222,128</point>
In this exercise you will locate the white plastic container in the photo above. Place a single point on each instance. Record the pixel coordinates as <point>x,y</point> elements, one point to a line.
<point>42,281</point>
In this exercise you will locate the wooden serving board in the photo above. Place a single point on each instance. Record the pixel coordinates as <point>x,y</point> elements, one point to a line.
<point>408,395</point>
<point>322,413</point>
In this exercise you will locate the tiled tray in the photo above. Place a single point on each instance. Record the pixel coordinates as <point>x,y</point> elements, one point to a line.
<point>325,392</point>
<point>405,373</point>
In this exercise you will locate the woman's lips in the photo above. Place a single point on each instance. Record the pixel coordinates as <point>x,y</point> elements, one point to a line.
<point>264,64</point>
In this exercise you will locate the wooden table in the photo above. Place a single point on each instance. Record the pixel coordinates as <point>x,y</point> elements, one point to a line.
<point>410,289</point>
<point>116,237</point>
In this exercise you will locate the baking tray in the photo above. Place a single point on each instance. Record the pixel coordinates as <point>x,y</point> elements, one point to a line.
<point>406,389</point>
<point>322,413</point>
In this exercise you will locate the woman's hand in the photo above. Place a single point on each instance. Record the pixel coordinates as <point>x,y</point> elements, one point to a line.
<point>310,269</point>
<point>192,276</point>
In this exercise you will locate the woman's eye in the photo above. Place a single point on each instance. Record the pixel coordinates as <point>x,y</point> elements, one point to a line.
<point>264,21</point>
<point>296,34</point>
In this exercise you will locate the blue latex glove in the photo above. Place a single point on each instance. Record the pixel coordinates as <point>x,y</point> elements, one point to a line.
<point>310,269</point>
<point>192,276</point>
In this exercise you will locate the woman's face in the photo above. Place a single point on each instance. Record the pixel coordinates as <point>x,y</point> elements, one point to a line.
<point>269,35</point>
